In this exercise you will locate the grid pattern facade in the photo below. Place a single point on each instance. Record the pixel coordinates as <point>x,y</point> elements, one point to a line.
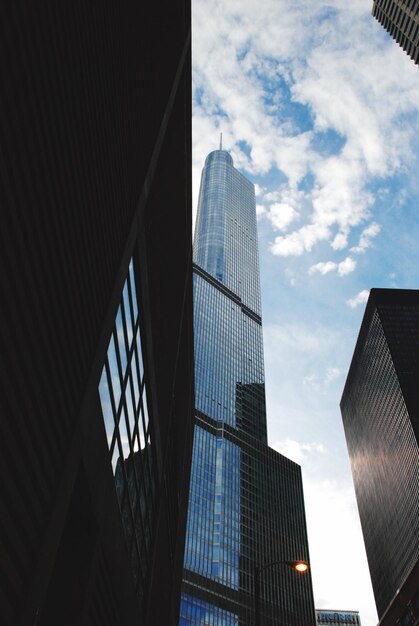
<point>194,611</point>
<point>245,502</point>
<point>123,396</point>
<point>229,373</point>
<point>271,522</point>
<point>400,18</point>
<point>337,618</point>
<point>225,242</point>
<point>89,166</point>
<point>213,530</point>
<point>381,440</point>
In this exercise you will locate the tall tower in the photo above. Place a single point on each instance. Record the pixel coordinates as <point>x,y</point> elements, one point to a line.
<point>380,408</point>
<point>400,19</point>
<point>246,501</point>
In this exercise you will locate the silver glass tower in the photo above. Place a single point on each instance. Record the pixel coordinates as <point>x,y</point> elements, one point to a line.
<point>246,504</point>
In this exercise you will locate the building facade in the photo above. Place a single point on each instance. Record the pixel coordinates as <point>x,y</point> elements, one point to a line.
<point>400,18</point>
<point>96,333</point>
<point>326,617</point>
<point>246,503</point>
<point>380,409</point>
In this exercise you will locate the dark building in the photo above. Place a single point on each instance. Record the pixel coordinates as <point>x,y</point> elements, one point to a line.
<point>327,617</point>
<point>400,18</point>
<point>246,504</point>
<point>96,333</point>
<point>380,408</point>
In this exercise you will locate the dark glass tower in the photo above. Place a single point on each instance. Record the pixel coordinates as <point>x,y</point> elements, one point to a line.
<point>380,408</point>
<point>400,18</point>
<point>246,500</point>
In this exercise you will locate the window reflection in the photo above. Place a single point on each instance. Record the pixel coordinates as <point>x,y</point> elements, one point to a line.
<point>123,398</point>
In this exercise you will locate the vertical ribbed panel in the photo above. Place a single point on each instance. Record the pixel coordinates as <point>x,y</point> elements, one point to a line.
<point>85,89</point>
<point>379,410</point>
<point>400,18</point>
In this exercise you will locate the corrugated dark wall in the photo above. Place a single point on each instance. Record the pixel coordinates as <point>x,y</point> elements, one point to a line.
<point>379,410</point>
<point>85,91</point>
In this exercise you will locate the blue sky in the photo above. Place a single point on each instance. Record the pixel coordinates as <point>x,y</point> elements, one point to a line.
<point>319,107</point>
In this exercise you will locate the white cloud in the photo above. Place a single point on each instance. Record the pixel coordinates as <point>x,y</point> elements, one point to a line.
<point>346,267</point>
<point>298,451</point>
<point>323,268</point>
<point>366,236</point>
<point>360,298</point>
<point>340,241</point>
<point>258,190</point>
<point>343,268</point>
<point>331,374</point>
<point>351,83</point>
<point>302,240</point>
<point>315,382</point>
<point>281,215</point>
<point>260,210</point>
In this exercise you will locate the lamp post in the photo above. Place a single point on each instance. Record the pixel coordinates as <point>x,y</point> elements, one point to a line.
<point>299,566</point>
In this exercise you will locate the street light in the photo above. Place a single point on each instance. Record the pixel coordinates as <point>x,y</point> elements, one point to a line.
<point>300,566</point>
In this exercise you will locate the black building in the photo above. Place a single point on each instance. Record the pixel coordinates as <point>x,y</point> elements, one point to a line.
<point>96,347</point>
<point>400,18</point>
<point>380,408</point>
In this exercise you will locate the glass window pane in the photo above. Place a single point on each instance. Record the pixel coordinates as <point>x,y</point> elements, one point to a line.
<point>115,457</point>
<point>141,432</point>
<point>125,442</point>
<point>135,380</point>
<point>107,412</point>
<point>133,290</point>
<point>136,446</point>
<point>130,407</point>
<point>127,310</point>
<point>140,354</point>
<point>113,366</point>
<point>121,340</point>
<point>145,409</point>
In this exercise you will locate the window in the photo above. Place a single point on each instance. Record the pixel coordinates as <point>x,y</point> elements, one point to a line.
<point>127,417</point>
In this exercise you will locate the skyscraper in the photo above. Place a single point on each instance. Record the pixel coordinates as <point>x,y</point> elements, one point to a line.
<point>96,375</point>
<point>400,18</point>
<point>380,409</point>
<point>246,501</point>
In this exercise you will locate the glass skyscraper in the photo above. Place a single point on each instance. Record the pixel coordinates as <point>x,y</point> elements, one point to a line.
<point>246,503</point>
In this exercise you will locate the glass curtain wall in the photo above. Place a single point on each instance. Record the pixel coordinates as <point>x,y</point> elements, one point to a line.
<point>228,527</point>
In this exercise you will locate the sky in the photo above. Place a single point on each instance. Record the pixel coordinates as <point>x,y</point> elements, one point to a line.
<point>319,108</point>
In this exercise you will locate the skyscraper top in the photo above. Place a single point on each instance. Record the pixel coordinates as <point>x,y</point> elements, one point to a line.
<point>226,244</point>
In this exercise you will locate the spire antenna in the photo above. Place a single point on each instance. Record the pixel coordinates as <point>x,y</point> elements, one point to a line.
<point>221,141</point>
